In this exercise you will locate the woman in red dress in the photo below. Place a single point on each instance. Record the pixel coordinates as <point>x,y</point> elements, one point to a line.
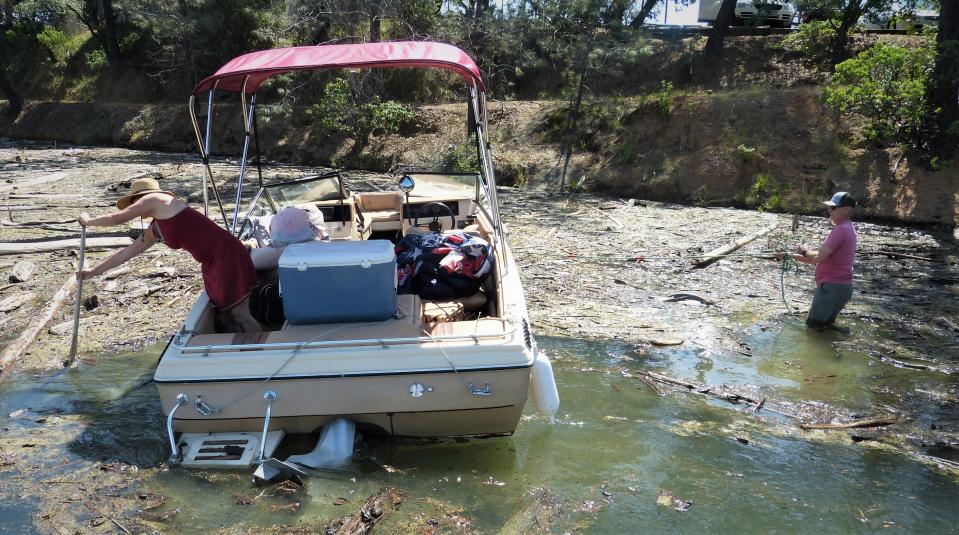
<point>228,273</point>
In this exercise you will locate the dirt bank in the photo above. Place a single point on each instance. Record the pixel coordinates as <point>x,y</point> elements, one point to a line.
<point>777,149</point>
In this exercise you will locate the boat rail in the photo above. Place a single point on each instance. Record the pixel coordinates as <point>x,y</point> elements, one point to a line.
<point>384,342</point>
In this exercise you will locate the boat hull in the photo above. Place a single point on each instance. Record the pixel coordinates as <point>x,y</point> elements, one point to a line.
<point>433,404</point>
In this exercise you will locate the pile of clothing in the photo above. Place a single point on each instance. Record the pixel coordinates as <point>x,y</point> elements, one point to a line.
<point>442,266</point>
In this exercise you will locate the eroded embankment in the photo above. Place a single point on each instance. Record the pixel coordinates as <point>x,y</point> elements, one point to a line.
<point>779,149</point>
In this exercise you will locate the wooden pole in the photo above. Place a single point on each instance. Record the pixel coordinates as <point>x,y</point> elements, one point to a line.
<point>76,307</point>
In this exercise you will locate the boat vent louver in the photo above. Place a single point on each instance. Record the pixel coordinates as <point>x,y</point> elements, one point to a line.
<point>527,335</point>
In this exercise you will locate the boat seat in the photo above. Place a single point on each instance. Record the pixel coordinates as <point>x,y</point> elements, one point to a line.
<point>406,324</point>
<point>477,326</point>
<point>381,210</point>
<point>228,339</point>
<point>453,309</point>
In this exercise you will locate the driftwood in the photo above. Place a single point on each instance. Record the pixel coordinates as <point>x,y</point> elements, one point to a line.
<point>716,254</point>
<point>8,223</point>
<point>892,254</point>
<point>16,301</point>
<point>59,245</point>
<point>15,349</point>
<point>856,424</point>
<point>649,382</point>
<point>688,296</point>
<point>53,177</point>
<point>50,196</point>
<point>116,523</point>
<point>380,504</point>
<point>706,390</point>
<point>22,271</point>
<point>23,208</point>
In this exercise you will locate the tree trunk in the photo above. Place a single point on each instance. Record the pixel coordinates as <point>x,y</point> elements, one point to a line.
<point>571,127</point>
<point>614,14</point>
<point>375,26</point>
<point>943,92</point>
<point>644,12</point>
<point>480,8</point>
<point>850,15</point>
<point>714,44</point>
<point>190,64</point>
<point>110,42</point>
<point>16,103</point>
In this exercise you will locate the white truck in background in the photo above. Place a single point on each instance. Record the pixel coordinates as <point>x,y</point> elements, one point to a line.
<point>758,13</point>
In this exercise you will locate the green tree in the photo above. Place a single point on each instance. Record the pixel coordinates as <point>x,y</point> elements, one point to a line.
<point>843,15</point>
<point>581,41</point>
<point>887,85</point>
<point>6,56</point>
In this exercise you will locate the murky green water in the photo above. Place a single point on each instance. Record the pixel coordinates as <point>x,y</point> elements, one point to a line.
<point>615,448</point>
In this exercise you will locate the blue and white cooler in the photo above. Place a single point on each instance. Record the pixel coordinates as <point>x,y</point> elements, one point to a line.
<point>338,282</point>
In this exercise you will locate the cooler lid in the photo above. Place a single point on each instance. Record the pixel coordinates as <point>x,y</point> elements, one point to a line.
<point>337,253</point>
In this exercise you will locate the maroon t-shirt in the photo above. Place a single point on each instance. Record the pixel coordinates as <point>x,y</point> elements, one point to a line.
<point>837,269</point>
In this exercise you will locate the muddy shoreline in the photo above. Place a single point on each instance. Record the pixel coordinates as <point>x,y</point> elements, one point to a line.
<point>594,268</point>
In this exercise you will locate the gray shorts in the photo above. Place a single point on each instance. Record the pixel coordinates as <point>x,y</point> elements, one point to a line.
<point>828,300</point>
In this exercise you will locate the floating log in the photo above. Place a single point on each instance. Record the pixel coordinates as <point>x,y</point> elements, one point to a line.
<point>706,390</point>
<point>688,296</point>
<point>24,208</point>
<point>46,196</point>
<point>856,424</point>
<point>45,179</point>
<point>378,506</point>
<point>649,382</point>
<point>892,254</point>
<point>7,248</point>
<point>22,271</point>
<point>716,254</point>
<point>8,223</point>
<point>16,301</point>
<point>15,349</point>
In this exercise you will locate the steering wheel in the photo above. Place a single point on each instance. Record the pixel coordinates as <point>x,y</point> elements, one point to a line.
<point>436,210</point>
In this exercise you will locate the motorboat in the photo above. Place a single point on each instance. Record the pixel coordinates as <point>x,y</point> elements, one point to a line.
<point>358,330</point>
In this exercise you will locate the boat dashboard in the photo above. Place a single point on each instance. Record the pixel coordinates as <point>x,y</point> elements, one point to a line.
<point>436,200</point>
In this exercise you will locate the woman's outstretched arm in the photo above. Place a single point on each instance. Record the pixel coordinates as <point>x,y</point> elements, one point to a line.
<point>144,242</point>
<point>143,207</point>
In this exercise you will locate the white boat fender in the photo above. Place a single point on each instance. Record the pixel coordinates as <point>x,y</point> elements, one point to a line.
<point>335,448</point>
<point>543,384</point>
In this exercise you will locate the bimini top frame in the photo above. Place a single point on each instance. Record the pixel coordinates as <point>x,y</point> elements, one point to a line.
<point>244,75</point>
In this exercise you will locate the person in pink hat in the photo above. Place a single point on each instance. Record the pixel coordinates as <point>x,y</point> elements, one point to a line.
<point>834,263</point>
<point>228,273</point>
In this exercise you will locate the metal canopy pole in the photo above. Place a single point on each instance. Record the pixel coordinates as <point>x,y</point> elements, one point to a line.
<point>485,161</point>
<point>206,147</point>
<point>205,156</point>
<point>248,133</point>
<point>256,144</point>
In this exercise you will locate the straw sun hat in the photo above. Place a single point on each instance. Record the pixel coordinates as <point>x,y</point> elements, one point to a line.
<point>140,186</point>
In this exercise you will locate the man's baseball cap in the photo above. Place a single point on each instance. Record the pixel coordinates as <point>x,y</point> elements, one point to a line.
<point>841,198</point>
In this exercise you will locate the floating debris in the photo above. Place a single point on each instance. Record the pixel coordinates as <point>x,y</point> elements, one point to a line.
<point>667,499</point>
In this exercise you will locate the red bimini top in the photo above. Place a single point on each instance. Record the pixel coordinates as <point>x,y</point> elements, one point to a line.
<point>259,66</point>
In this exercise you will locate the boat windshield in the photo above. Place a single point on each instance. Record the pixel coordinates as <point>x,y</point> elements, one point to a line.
<point>312,189</point>
<point>443,185</point>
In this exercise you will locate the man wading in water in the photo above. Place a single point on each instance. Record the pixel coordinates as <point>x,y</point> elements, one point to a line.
<point>833,263</point>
